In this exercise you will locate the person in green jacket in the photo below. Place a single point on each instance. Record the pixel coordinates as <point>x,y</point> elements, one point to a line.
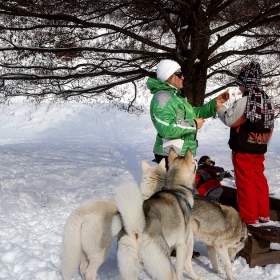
<point>176,120</point>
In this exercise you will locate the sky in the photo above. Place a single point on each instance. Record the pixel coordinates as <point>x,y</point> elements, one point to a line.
<point>55,157</point>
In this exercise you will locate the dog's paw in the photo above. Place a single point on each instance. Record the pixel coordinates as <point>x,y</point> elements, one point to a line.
<point>201,278</point>
<point>198,277</point>
<point>221,271</point>
<point>195,276</point>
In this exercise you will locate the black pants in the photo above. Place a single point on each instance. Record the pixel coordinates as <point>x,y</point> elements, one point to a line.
<point>159,158</point>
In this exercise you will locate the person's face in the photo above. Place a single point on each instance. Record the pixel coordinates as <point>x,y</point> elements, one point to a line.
<point>207,161</point>
<point>175,80</point>
<point>242,89</point>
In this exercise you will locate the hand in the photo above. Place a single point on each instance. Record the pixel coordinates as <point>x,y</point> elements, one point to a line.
<point>219,105</point>
<point>199,122</point>
<point>223,97</point>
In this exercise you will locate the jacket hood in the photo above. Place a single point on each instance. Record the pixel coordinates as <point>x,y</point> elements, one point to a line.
<point>155,85</point>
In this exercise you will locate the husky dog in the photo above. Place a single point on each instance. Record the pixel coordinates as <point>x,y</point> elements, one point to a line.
<point>221,229</point>
<point>87,235</point>
<point>151,229</point>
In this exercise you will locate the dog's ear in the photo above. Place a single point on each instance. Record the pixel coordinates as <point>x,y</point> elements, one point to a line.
<point>172,155</point>
<point>145,166</point>
<point>162,164</point>
<point>189,159</point>
<point>189,153</point>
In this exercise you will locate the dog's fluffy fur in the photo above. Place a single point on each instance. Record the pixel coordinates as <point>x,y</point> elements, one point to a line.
<point>87,235</point>
<point>156,226</point>
<point>221,229</point>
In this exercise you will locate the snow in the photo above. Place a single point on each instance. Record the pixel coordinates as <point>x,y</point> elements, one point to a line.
<point>55,157</point>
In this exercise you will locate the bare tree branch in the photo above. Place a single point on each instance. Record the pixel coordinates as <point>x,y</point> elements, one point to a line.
<point>87,48</point>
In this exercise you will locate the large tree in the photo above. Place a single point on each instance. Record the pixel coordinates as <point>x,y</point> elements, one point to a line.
<point>85,48</point>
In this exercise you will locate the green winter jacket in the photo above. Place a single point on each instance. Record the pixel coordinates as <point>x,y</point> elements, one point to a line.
<point>173,118</point>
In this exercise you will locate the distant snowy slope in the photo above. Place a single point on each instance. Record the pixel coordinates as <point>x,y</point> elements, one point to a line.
<point>55,157</point>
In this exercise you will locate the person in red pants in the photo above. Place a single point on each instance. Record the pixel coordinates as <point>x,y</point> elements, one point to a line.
<point>251,119</point>
<point>252,187</point>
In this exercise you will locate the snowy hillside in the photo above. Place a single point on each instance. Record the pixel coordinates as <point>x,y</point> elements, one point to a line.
<point>54,158</point>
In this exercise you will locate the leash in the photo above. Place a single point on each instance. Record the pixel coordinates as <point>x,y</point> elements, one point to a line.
<point>189,189</point>
<point>185,200</point>
<point>188,204</point>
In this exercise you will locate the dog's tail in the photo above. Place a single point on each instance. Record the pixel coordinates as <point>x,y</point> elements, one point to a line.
<point>117,225</point>
<point>129,202</point>
<point>71,244</point>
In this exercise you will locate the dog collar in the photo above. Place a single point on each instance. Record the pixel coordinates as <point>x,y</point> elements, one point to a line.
<point>189,189</point>
<point>188,204</point>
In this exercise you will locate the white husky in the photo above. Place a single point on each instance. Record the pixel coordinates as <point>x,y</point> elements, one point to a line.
<point>87,235</point>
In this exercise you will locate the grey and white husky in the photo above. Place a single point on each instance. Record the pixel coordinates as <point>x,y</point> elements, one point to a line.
<point>221,229</point>
<point>152,228</point>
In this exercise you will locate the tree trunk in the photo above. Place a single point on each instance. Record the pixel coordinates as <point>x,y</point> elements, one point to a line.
<point>194,67</point>
<point>195,83</point>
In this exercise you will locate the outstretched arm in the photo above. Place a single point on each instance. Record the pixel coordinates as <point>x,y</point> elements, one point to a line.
<point>231,116</point>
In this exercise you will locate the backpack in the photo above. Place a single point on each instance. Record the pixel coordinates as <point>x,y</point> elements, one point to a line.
<point>206,183</point>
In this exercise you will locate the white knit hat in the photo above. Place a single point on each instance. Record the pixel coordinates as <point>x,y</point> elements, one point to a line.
<point>166,68</point>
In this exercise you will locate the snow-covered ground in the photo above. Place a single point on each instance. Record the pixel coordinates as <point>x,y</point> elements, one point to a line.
<point>54,158</point>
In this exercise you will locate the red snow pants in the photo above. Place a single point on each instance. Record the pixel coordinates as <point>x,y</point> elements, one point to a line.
<point>252,187</point>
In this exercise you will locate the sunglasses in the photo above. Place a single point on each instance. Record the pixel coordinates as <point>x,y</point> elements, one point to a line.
<point>179,74</point>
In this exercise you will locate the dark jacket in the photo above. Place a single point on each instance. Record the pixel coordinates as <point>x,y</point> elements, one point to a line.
<point>245,136</point>
<point>250,138</point>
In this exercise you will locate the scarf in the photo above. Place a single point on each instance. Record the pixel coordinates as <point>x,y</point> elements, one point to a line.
<point>254,108</point>
<point>250,78</point>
